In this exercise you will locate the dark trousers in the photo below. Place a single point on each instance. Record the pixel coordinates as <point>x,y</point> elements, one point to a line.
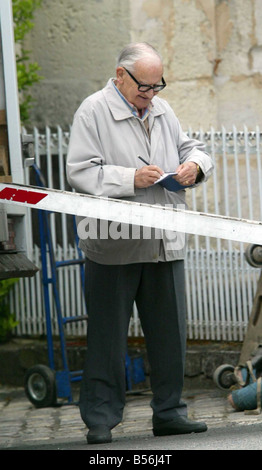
<point>158,289</point>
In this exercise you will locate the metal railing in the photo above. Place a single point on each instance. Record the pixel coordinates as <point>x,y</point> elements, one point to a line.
<point>220,284</point>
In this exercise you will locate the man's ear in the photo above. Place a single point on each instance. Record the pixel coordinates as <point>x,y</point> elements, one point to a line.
<point>120,74</point>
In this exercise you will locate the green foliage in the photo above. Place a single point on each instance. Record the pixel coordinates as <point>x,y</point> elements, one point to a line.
<point>27,73</point>
<point>7,319</point>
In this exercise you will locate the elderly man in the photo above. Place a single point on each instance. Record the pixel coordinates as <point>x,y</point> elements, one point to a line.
<point>113,128</point>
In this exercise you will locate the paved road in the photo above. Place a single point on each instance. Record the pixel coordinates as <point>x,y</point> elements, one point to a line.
<point>23,427</point>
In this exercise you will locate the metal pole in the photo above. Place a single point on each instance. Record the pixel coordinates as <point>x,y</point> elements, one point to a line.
<point>11,91</point>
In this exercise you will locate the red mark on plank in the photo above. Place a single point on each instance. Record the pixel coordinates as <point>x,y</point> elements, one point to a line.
<point>21,195</point>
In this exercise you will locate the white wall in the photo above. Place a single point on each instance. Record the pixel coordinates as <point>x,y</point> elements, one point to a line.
<point>212,52</point>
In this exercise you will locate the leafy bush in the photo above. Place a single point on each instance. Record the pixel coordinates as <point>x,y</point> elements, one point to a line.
<point>7,318</point>
<point>27,73</point>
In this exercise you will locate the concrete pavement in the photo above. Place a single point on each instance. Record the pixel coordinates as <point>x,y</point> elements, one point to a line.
<point>23,427</point>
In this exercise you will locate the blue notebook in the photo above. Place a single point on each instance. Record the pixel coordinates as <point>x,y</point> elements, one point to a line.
<point>169,183</point>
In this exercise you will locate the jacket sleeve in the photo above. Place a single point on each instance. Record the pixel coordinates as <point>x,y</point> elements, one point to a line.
<point>192,150</point>
<point>86,168</point>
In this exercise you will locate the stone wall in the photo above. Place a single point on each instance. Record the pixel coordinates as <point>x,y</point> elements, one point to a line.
<point>212,51</point>
<point>202,358</point>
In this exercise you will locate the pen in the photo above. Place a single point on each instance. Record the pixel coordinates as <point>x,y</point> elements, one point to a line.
<point>140,158</point>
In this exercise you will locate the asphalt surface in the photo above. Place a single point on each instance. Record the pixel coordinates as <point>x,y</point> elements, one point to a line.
<point>24,427</point>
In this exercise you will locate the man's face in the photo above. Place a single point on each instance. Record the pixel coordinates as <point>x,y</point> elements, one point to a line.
<point>149,72</point>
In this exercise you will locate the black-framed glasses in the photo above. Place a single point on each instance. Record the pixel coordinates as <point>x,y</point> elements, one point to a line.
<point>144,87</point>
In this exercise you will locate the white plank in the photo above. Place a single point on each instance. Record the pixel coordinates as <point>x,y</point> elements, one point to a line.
<point>154,216</point>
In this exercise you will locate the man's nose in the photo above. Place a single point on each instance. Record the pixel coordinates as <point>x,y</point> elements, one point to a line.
<point>149,93</point>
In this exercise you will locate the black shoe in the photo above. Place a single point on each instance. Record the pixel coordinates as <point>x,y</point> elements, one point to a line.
<point>179,425</point>
<point>99,434</point>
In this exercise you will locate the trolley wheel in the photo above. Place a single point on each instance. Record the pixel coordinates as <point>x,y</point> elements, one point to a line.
<point>224,376</point>
<point>40,387</point>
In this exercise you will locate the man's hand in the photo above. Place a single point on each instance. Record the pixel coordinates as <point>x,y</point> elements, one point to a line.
<point>186,173</point>
<point>147,175</point>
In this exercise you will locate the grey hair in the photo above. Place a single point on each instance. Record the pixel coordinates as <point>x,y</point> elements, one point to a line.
<point>134,52</point>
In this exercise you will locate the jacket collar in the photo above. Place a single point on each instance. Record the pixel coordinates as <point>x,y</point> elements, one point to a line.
<point>118,107</point>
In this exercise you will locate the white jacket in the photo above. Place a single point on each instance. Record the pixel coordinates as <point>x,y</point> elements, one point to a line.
<point>105,141</point>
